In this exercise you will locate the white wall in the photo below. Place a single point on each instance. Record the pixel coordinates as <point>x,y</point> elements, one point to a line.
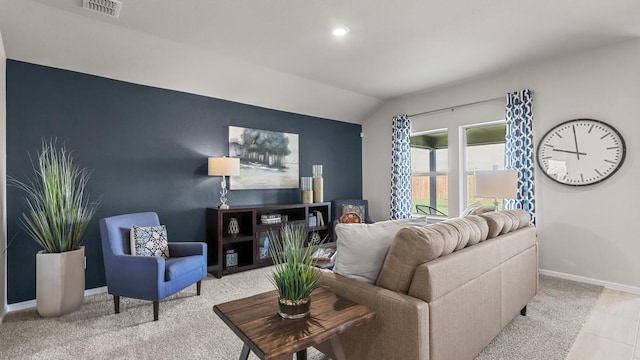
<point>3,177</point>
<point>583,231</point>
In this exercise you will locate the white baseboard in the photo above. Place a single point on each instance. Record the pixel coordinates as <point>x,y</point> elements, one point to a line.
<point>586,280</point>
<point>32,303</point>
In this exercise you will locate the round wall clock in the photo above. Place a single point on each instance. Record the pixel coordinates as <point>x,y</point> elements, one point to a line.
<point>581,152</point>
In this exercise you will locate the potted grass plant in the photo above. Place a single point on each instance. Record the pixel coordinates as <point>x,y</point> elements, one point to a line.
<point>294,275</point>
<point>57,214</point>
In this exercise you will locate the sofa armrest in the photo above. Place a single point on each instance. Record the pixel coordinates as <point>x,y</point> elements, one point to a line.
<point>400,329</point>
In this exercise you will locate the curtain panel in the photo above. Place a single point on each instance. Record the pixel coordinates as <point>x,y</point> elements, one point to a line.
<point>401,168</point>
<point>519,149</point>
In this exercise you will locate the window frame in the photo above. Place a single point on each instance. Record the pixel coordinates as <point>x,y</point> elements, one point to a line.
<point>462,151</point>
<point>433,174</point>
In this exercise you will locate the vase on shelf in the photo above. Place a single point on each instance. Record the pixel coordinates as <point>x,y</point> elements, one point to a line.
<point>307,189</point>
<point>234,228</point>
<point>318,191</point>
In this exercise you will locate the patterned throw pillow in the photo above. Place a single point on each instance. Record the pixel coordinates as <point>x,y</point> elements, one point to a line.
<point>149,241</point>
<point>358,209</point>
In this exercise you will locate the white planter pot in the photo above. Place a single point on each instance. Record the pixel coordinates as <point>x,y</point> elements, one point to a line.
<point>59,282</point>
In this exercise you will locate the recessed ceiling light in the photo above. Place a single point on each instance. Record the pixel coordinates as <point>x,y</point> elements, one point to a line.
<point>340,31</point>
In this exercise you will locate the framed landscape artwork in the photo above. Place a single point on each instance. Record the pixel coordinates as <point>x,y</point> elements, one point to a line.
<point>268,159</point>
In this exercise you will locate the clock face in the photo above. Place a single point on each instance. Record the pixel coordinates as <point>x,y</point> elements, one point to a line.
<point>581,152</point>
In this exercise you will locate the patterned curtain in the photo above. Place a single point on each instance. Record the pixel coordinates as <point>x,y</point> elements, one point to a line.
<point>519,149</point>
<point>401,168</point>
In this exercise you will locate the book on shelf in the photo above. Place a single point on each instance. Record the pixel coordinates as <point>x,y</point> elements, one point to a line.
<point>319,217</point>
<point>270,218</point>
<point>270,221</point>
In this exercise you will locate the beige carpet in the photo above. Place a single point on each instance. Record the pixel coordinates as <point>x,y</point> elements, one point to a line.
<point>554,319</point>
<point>188,328</point>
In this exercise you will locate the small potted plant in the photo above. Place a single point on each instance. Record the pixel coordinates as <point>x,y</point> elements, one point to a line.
<point>294,275</point>
<point>58,212</point>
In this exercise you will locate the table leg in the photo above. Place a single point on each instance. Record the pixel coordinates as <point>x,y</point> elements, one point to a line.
<point>336,346</point>
<point>301,355</point>
<point>332,348</point>
<point>244,355</point>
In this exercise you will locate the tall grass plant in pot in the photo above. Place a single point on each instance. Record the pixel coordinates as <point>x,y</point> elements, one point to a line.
<point>294,275</point>
<point>58,211</point>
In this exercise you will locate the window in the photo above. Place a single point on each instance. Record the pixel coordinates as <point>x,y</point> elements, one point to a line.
<point>484,150</point>
<point>429,178</point>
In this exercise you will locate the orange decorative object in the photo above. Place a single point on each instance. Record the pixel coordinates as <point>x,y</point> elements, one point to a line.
<point>350,218</point>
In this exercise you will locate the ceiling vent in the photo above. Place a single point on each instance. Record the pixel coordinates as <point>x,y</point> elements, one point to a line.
<point>106,7</point>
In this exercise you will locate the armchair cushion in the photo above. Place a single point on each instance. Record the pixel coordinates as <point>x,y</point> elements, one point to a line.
<point>149,241</point>
<point>178,266</point>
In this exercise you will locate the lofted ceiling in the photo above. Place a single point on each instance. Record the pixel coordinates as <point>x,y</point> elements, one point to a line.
<point>395,47</point>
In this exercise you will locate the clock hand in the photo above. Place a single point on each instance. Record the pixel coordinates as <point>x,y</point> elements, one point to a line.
<point>570,152</point>
<point>575,138</point>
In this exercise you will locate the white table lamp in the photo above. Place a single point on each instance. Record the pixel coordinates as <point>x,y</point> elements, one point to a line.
<point>224,166</point>
<point>496,184</point>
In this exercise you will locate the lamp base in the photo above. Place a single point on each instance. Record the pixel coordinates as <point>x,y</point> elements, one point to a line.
<point>223,206</point>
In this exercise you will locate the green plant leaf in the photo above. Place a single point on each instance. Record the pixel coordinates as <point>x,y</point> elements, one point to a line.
<point>58,209</point>
<point>293,276</point>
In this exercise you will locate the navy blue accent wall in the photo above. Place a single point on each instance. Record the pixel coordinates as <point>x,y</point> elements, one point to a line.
<point>148,149</point>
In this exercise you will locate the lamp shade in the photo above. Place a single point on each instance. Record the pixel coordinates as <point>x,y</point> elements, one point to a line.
<point>501,184</point>
<point>224,166</point>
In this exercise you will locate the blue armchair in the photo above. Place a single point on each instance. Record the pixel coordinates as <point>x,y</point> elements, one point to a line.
<point>337,211</point>
<point>337,208</point>
<point>150,278</point>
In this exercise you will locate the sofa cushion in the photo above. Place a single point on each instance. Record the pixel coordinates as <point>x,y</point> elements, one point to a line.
<point>513,220</point>
<point>476,209</point>
<point>524,219</point>
<point>474,231</point>
<point>449,235</point>
<point>481,224</point>
<point>496,223</point>
<point>411,247</point>
<point>506,221</point>
<point>464,231</point>
<point>361,248</point>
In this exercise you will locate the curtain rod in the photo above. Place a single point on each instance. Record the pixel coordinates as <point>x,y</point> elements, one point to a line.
<point>462,105</point>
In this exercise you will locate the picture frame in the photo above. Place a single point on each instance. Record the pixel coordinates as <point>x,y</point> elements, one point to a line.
<point>268,159</point>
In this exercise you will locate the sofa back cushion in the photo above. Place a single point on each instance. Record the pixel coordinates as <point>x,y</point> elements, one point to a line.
<point>502,222</point>
<point>411,247</point>
<point>361,248</point>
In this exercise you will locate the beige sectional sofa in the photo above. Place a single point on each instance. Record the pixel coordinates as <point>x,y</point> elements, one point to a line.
<point>444,290</point>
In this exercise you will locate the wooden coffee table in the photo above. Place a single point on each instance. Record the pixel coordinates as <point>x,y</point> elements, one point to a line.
<point>255,320</point>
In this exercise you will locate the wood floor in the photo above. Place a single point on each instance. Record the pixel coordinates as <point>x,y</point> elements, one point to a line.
<point>611,331</point>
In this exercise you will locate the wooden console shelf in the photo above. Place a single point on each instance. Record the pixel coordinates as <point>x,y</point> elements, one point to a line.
<point>251,243</point>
